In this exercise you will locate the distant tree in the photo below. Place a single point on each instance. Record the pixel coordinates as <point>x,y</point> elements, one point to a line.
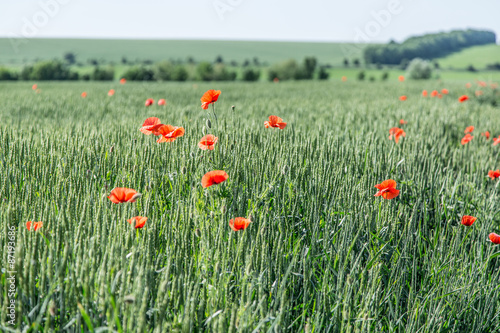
<point>436,65</point>
<point>471,68</point>
<point>70,58</point>
<point>404,64</point>
<point>346,62</point>
<point>103,74</point>
<point>124,60</point>
<point>385,76</point>
<point>419,69</point>
<point>256,61</point>
<point>190,60</point>
<point>7,75</point>
<point>246,63</point>
<point>93,62</point>
<point>356,62</point>
<point>361,76</point>
<point>372,78</point>
<point>493,67</point>
<point>251,75</point>
<point>323,74</point>
<point>205,71</point>
<point>308,68</point>
<point>234,63</point>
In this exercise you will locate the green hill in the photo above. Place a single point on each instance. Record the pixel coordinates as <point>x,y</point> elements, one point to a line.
<point>478,56</point>
<point>18,52</point>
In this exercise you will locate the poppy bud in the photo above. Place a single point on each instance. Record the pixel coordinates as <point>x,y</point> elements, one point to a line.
<point>250,217</point>
<point>212,214</point>
<point>232,107</point>
<point>136,196</point>
<point>88,173</point>
<point>223,209</point>
<point>111,149</point>
<point>184,170</point>
<point>197,232</point>
<point>285,170</point>
<point>209,123</point>
<point>204,131</point>
<point>129,299</point>
<point>191,154</point>
<point>52,308</point>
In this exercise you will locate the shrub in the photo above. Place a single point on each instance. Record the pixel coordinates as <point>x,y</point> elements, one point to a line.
<point>221,73</point>
<point>139,73</point>
<point>361,76</point>
<point>7,75</point>
<point>419,69</point>
<point>205,71</point>
<point>52,70</point>
<point>251,75</point>
<point>167,71</point>
<point>286,70</point>
<point>323,74</point>
<point>100,74</point>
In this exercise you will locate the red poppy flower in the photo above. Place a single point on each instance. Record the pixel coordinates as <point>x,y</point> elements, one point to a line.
<point>479,93</point>
<point>486,135</point>
<point>494,85</point>
<point>34,87</point>
<point>344,78</point>
<point>424,93</point>
<point>209,97</point>
<point>466,139</point>
<point>402,98</point>
<point>275,121</point>
<point>213,178</point>
<point>494,238</point>
<point>84,94</point>
<point>151,125</point>
<point>468,220</point>
<point>496,141</point>
<point>276,80</point>
<point>139,221</point>
<point>397,133</point>
<point>494,174</point>
<point>434,93</point>
<point>123,81</point>
<point>111,92</point>
<point>440,96</point>
<point>208,142</point>
<point>468,85</point>
<point>34,225</point>
<point>123,194</point>
<point>169,133</point>
<point>463,98</point>
<point>401,78</point>
<point>469,129</point>
<point>387,189</point>
<point>162,102</point>
<point>149,102</point>
<point>403,122</point>
<point>239,223</point>
<point>481,83</point>
<point>444,91</point>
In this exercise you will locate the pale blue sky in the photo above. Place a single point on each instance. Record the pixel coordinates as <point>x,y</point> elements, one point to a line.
<point>291,20</point>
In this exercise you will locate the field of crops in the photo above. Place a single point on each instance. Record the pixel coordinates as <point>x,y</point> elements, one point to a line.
<point>322,253</point>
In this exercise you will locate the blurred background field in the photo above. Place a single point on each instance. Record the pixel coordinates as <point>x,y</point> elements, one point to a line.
<point>322,253</point>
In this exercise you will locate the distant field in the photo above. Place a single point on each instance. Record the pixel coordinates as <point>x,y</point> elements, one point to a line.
<point>478,56</point>
<point>322,254</point>
<point>22,51</point>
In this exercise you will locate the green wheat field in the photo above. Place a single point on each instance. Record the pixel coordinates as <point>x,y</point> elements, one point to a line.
<point>322,253</point>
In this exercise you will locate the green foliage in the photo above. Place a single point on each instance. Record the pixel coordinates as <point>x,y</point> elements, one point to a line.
<point>361,76</point>
<point>139,73</point>
<point>251,75</point>
<point>419,69</point>
<point>428,46</point>
<point>7,75</point>
<point>102,74</point>
<point>166,71</point>
<point>51,70</point>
